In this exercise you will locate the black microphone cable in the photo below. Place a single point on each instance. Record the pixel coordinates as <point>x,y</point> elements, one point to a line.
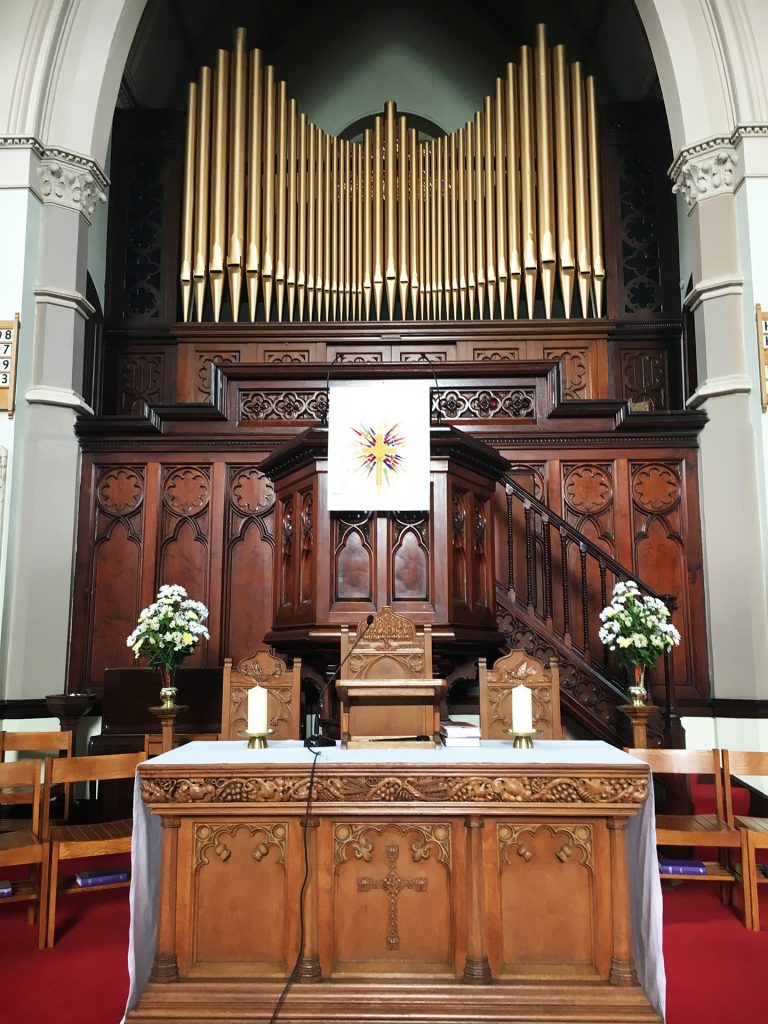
<point>302,894</point>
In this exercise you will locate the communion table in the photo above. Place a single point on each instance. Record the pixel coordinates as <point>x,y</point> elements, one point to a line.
<point>480,883</point>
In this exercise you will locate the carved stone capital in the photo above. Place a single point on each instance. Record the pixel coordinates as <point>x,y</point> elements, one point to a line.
<point>72,181</point>
<point>705,170</point>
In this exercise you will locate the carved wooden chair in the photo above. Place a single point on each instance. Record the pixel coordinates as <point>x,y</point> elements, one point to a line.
<point>748,763</point>
<point>703,830</point>
<point>25,846</point>
<point>68,842</point>
<point>392,648</point>
<point>496,686</point>
<point>284,695</point>
<point>53,742</point>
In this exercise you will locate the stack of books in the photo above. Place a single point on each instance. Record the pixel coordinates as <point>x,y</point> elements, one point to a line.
<point>6,889</point>
<point>103,876</point>
<point>668,866</point>
<point>460,734</point>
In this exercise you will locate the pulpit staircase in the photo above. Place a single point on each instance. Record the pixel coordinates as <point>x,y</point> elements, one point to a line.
<point>557,582</point>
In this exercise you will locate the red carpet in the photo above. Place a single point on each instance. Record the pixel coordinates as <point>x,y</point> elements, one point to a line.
<point>715,968</point>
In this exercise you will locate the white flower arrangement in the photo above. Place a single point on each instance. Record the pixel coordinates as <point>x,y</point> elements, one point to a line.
<point>169,629</point>
<point>637,626</point>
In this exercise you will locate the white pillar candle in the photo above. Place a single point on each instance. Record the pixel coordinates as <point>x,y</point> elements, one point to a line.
<point>258,717</point>
<point>522,708</point>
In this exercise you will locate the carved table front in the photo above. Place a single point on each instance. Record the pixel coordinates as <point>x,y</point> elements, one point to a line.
<point>479,883</point>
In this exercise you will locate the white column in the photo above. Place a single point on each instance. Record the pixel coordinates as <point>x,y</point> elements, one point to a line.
<point>43,500</point>
<point>735,526</point>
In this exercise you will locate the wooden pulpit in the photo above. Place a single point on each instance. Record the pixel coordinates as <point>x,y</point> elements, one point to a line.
<point>390,712</point>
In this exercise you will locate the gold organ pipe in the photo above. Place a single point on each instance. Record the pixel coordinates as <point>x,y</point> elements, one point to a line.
<point>438,289</point>
<point>268,214</point>
<point>290,270</point>
<point>202,182</point>
<point>219,181</point>
<point>414,185</point>
<point>390,205</point>
<point>581,194</point>
<point>255,188</point>
<point>280,189</point>
<point>544,169</point>
<point>330,229</point>
<point>404,211</point>
<point>368,221</point>
<point>528,179</point>
<point>462,221</point>
<point>319,236</point>
<point>360,247</point>
<point>470,158</point>
<point>378,216</point>
<point>479,216</point>
<point>446,222</point>
<point>595,210</point>
<point>311,216</point>
<point>490,236</point>
<point>354,209</point>
<point>237,146</point>
<point>564,177</point>
<point>430,241</point>
<point>328,267</point>
<point>423,231</point>
<point>514,263</point>
<point>301,246</point>
<point>334,228</point>
<point>188,211</point>
<point>348,230</point>
<point>500,193</point>
<point>454,241</point>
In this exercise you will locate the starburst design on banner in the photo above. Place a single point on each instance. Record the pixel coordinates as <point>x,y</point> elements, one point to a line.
<point>377,451</point>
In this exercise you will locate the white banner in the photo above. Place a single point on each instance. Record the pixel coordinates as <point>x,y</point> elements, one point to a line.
<point>378,447</point>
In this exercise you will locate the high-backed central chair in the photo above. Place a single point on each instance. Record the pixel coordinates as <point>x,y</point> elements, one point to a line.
<point>392,648</point>
<point>496,686</point>
<point>284,695</point>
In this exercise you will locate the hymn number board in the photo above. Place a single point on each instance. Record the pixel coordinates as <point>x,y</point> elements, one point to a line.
<point>9,343</point>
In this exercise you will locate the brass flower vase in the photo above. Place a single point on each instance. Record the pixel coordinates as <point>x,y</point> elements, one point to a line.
<point>168,691</point>
<point>637,690</point>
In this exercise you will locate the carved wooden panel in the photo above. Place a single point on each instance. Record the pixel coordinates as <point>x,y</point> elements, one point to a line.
<point>499,353</point>
<point>118,538</point>
<point>547,879</point>
<point>576,369</point>
<point>205,360</point>
<point>230,860</point>
<point>280,405</point>
<point>248,552</point>
<point>486,403</point>
<point>354,556</point>
<point>459,555</point>
<point>184,530</point>
<point>644,376</point>
<point>364,354</point>
<point>395,877</point>
<point>658,527</point>
<point>482,581</point>
<point>286,353</point>
<point>410,571</point>
<point>141,379</point>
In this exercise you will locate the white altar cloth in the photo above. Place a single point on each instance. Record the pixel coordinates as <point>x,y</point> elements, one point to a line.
<point>644,884</point>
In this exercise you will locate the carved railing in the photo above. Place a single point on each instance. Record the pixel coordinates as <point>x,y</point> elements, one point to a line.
<point>557,582</point>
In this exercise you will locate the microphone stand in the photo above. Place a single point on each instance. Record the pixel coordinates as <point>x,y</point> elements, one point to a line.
<point>318,740</point>
<point>439,410</point>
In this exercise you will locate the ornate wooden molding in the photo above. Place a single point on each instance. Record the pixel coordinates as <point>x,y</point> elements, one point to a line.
<point>534,787</point>
<point>210,840</point>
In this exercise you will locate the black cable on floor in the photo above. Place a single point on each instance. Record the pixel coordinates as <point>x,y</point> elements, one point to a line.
<point>292,976</point>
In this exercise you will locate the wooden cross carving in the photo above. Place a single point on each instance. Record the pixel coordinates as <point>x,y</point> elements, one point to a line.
<point>393,885</point>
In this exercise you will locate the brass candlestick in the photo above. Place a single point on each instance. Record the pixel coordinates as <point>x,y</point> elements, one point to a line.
<point>257,740</point>
<point>523,740</point>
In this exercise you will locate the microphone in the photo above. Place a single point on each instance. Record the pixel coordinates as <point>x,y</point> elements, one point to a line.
<point>318,740</point>
<point>426,359</point>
